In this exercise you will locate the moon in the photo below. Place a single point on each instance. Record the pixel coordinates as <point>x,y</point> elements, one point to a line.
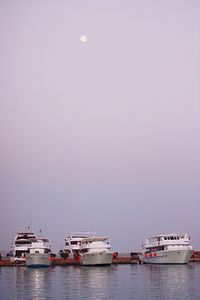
<point>83,38</point>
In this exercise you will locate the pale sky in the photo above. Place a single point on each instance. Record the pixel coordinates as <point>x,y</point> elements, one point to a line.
<point>101,135</point>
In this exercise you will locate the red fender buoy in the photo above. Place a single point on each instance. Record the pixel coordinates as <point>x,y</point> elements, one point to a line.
<point>115,254</point>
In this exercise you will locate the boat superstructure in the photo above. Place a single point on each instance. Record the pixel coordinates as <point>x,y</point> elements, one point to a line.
<point>39,253</point>
<point>95,251</point>
<point>22,242</point>
<point>73,242</point>
<point>173,248</point>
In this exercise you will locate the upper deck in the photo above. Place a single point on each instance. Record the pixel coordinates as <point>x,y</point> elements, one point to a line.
<point>96,243</point>
<point>80,235</point>
<point>168,239</point>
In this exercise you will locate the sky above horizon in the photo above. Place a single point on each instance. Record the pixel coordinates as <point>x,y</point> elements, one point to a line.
<point>101,135</point>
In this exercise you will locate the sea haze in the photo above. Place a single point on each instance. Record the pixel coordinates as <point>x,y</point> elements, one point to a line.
<point>100,135</point>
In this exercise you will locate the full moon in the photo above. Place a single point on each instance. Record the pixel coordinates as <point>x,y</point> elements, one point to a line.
<point>83,38</point>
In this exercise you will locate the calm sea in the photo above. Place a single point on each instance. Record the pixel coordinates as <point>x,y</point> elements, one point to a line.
<point>115,282</point>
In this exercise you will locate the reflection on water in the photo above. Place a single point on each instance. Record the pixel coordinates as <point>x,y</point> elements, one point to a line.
<point>31,283</point>
<point>171,280</point>
<point>168,281</point>
<point>97,280</point>
<point>40,280</point>
<point>117,282</point>
<point>84,282</point>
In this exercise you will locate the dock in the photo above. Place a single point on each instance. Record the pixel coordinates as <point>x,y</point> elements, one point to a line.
<point>67,262</point>
<point>72,262</point>
<point>117,259</point>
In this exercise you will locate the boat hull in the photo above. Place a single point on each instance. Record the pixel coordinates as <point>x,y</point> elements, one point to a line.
<point>38,260</point>
<point>96,259</point>
<point>167,257</point>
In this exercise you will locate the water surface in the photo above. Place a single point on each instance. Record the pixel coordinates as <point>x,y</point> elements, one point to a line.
<point>115,282</point>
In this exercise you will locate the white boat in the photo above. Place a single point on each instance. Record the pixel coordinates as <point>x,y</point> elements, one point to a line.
<point>95,251</point>
<point>171,248</point>
<point>22,242</point>
<point>73,243</point>
<point>39,254</point>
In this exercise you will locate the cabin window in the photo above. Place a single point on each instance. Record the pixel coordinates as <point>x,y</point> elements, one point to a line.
<point>84,251</point>
<point>66,244</point>
<point>74,242</point>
